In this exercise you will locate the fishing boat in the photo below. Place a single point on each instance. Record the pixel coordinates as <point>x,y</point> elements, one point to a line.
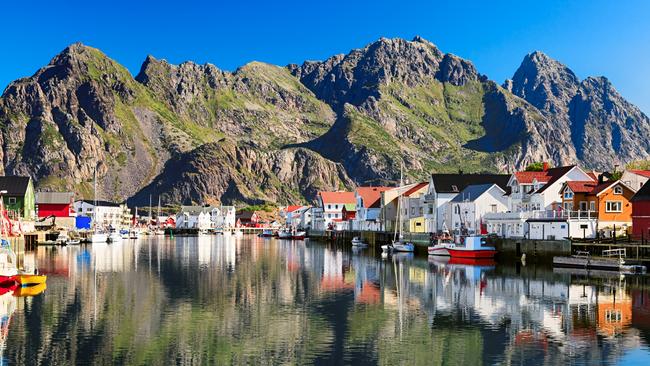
<point>8,269</point>
<point>124,234</point>
<point>267,233</point>
<point>358,243</point>
<point>444,242</point>
<point>285,233</point>
<point>472,247</point>
<point>399,244</point>
<point>134,233</point>
<point>114,236</point>
<point>299,235</point>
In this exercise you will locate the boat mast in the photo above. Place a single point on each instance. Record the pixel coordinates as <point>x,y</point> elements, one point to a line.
<point>95,198</point>
<point>158,214</point>
<point>149,223</point>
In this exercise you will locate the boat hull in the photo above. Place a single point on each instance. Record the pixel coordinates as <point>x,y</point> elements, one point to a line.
<point>30,279</point>
<point>30,290</point>
<point>438,250</point>
<point>473,253</point>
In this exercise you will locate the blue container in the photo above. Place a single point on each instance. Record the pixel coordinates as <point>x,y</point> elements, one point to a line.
<point>82,222</point>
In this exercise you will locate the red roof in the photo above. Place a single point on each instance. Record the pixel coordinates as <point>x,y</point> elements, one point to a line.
<point>292,208</point>
<point>415,188</point>
<point>527,177</point>
<point>337,197</point>
<point>371,196</point>
<point>581,186</point>
<point>645,173</point>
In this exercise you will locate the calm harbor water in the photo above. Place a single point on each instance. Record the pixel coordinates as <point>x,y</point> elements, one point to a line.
<point>248,300</point>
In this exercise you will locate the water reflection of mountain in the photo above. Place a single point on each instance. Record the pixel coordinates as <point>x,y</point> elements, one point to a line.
<point>232,300</point>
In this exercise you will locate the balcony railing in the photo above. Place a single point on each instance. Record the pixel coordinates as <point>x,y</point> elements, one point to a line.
<point>542,214</point>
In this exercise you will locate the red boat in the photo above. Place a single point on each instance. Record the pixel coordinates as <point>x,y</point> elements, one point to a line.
<point>474,248</point>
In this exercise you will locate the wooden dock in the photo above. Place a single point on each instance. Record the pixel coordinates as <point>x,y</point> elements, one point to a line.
<point>635,251</point>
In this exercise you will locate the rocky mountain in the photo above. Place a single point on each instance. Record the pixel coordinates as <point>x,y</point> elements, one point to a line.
<point>194,133</point>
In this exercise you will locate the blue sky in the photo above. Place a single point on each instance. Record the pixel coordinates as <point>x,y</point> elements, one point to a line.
<point>592,37</point>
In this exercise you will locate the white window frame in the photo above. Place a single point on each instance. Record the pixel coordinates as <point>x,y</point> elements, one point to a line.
<point>11,200</point>
<point>609,206</point>
<point>568,194</point>
<point>592,205</point>
<point>583,205</point>
<point>618,190</point>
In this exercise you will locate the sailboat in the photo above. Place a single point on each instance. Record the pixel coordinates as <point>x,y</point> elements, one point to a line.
<point>97,236</point>
<point>399,244</point>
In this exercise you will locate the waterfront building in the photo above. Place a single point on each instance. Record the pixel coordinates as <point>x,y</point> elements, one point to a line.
<point>104,213</point>
<point>19,200</point>
<point>247,218</point>
<point>635,179</point>
<point>56,205</point>
<point>194,217</point>
<point>368,208</point>
<point>605,202</point>
<point>223,217</point>
<point>641,212</point>
<point>445,187</point>
<point>534,197</point>
<point>330,215</point>
<point>468,208</point>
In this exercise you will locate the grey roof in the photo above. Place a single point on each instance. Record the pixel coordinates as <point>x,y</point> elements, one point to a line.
<point>54,197</point>
<point>14,185</point>
<point>195,210</point>
<point>454,183</point>
<point>643,194</point>
<point>100,203</point>
<point>471,193</point>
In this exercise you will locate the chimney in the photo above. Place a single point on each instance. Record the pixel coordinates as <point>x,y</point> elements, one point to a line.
<point>544,166</point>
<point>601,178</point>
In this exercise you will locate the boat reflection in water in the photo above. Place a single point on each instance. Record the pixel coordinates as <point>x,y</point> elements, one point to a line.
<point>248,300</point>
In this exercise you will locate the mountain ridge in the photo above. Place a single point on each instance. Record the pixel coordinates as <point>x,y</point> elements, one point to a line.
<point>355,116</point>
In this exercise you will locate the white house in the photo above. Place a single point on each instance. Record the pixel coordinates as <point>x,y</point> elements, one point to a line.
<point>368,208</point>
<point>467,209</point>
<point>222,217</point>
<point>331,204</point>
<point>445,187</point>
<point>194,217</point>
<point>534,196</point>
<point>635,179</point>
<point>104,213</point>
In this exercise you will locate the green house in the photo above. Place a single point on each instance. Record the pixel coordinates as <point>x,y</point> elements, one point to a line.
<point>18,196</point>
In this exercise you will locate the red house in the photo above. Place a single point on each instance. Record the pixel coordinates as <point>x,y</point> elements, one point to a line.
<point>248,218</point>
<point>57,204</point>
<point>641,212</point>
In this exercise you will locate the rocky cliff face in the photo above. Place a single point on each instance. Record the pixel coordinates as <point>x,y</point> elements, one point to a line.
<point>591,123</point>
<point>194,133</point>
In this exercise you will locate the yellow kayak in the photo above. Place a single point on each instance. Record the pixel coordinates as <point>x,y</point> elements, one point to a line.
<point>30,290</point>
<point>30,279</point>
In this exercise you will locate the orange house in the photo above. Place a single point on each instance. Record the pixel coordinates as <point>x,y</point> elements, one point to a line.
<point>609,202</point>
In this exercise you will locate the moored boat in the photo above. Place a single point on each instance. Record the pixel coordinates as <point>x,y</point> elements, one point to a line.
<point>357,242</point>
<point>30,290</point>
<point>285,234</point>
<point>299,235</point>
<point>472,247</point>
<point>267,233</point>
<point>440,249</point>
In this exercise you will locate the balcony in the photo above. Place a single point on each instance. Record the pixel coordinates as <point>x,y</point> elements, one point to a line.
<point>541,214</point>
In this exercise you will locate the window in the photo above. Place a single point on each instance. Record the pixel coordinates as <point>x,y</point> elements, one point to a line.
<point>454,188</point>
<point>592,206</point>
<point>336,207</point>
<point>11,200</point>
<point>493,208</point>
<point>515,189</point>
<point>329,207</point>
<point>430,206</point>
<point>568,194</point>
<point>329,216</point>
<point>583,205</point>
<point>613,206</point>
<point>568,206</point>
<point>618,190</point>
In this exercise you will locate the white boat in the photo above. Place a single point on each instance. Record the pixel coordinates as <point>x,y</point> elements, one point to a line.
<point>98,237</point>
<point>266,233</point>
<point>8,267</point>
<point>124,234</point>
<point>238,232</point>
<point>299,235</point>
<point>134,233</point>
<point>399,244</point>
<point>441,248</point>
<point>114,237</point>
<point>285,234</point>
<point>159,232</point>
<point>357,242</point>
